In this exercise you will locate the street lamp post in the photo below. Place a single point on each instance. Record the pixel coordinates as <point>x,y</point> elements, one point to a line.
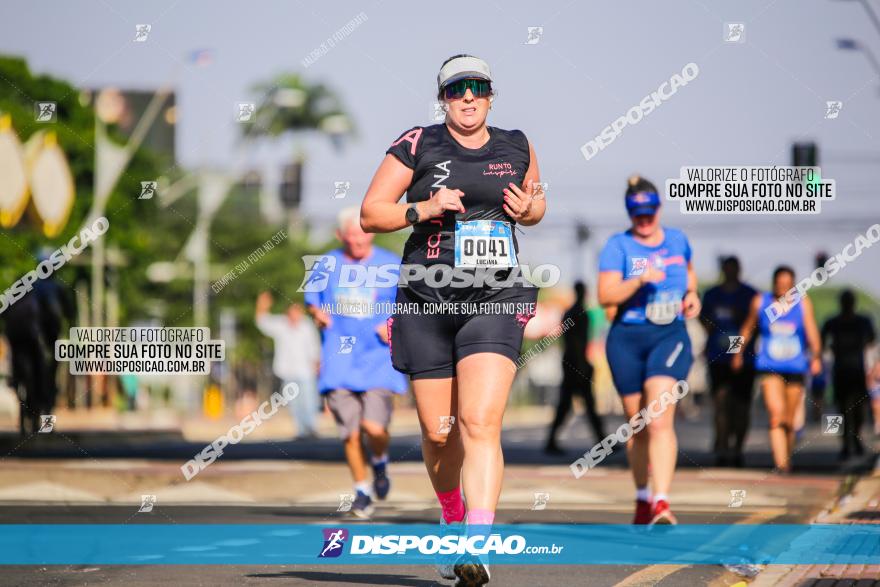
<point>110,161</point>
<point>875,20</point>
<point>854,45</point>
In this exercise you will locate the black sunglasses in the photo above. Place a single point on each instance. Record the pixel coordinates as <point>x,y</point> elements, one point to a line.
<point>480,88</point>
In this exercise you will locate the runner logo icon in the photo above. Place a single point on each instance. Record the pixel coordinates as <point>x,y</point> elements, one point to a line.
<point>318,270</point>
<point>341,189</point>
<point>736,343</point>
<point>334,541</point>
<point>345,502</point>
<point>47,424</point>
<point>147,503</point>
<point>833,424</point>
<point>541,500</point>
<point>737,497</point>
<point>832,109</point>
<point>346,344</point>
<point>639,264</point>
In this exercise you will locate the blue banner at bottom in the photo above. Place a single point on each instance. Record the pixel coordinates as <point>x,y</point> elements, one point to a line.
<point>386,544</point>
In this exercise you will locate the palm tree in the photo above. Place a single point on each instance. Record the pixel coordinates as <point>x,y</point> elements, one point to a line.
<point>291,104</point>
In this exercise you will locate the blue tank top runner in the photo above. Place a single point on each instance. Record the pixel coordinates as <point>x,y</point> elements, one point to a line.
<point>783,343</point>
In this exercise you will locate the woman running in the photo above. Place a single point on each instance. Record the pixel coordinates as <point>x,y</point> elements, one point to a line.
<point>787,332</point>
<point>646,273</point>
<point>467,186</point>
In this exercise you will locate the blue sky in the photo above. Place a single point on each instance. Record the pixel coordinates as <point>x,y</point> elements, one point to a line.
<point>594,62</point>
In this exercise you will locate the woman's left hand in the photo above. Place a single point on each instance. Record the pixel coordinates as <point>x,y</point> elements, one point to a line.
<point>692,305</point>
<point>815,366</point>
<point>518,202</point>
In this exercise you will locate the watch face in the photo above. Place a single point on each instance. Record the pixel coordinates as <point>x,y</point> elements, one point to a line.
<point>412,215</point>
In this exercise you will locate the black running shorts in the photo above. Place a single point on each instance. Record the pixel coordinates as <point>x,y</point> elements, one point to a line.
<point>429,338</point>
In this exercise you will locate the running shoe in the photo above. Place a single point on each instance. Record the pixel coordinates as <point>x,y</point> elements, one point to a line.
<point>470,571</point>
<point>381,482</point>
<point>446,562</point>
<point>662,514</point>
<point>860,448</point>
<point>362,506</point>
<point>643,512</point>
<point>554,450</point>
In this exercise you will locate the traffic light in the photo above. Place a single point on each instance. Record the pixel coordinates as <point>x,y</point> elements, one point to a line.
<point>582,231</point>
<point>805,155</point>
<point>291,185</point>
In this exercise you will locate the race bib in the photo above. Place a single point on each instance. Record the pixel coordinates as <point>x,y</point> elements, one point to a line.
<point>663,307</point>
<point>784,348</point>
<point>354,302</point>
<point>484,243</point>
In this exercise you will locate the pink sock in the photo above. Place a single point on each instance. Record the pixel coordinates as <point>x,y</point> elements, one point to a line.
<point>452,505</point>
<point>480,517</point>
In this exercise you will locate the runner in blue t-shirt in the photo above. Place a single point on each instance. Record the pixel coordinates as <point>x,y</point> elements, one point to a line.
<point>645,273</point>
<point>356,376</point>
<point>789,346</point>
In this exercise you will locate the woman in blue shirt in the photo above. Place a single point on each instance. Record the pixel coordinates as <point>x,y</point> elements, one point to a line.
<point>788,347</point>
<point>646,275</point>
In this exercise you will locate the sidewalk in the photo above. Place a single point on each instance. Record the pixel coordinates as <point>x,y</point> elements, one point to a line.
<point>199,428</point>
<point>859,506</point>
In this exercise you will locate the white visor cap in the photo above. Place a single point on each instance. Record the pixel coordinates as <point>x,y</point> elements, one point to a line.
<point>463,68</point>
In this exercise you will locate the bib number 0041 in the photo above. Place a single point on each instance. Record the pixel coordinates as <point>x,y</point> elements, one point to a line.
<point>484,243</point>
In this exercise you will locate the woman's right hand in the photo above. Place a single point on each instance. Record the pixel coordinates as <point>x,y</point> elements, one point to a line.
<point>652,275</point>
<point>444,199</point>
<point>322,318</point>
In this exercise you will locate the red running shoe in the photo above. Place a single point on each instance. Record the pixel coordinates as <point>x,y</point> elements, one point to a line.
<point>662,514</point>
<point>643,512</point>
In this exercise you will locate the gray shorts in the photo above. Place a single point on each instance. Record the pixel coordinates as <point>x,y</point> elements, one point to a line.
<point>349,408</point>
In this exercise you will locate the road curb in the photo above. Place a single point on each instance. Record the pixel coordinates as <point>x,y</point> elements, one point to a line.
<point>12,444</point>
<point>857,495</point>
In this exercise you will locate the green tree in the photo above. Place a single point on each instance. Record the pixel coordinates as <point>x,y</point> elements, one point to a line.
<point>137,227</point>
<point>290,104</point>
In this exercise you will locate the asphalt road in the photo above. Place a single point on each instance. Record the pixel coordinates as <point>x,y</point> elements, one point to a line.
<point>403,575</point>
<point>79,480</point>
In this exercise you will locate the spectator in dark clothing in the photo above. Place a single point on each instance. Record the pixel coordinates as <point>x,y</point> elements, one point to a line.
<point>56,308</point>
<point>577,372</point>
<point>28,350</point>
<point>725,308</point>
<point>848,335</point>
<point>33,323</point>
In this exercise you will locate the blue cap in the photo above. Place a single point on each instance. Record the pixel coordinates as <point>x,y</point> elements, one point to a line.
<point>642,203</point>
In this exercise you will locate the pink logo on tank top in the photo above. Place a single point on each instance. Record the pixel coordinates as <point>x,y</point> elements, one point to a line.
<point>433,251</point>
<point>388,324</point>
<point>500,169</point>
<point>412,137</point>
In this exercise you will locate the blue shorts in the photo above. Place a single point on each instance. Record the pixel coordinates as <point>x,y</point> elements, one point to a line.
<point>638,351</point>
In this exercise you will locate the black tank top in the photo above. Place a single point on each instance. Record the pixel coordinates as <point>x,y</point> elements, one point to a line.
<point>439,161</point>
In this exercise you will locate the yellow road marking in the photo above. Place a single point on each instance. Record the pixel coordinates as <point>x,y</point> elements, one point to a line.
<point>653,574</point>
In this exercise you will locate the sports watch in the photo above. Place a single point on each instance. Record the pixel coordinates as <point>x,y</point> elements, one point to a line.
<point>412,215</point>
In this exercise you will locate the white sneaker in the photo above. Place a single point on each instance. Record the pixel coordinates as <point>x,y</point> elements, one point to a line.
<point>446,562</point>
